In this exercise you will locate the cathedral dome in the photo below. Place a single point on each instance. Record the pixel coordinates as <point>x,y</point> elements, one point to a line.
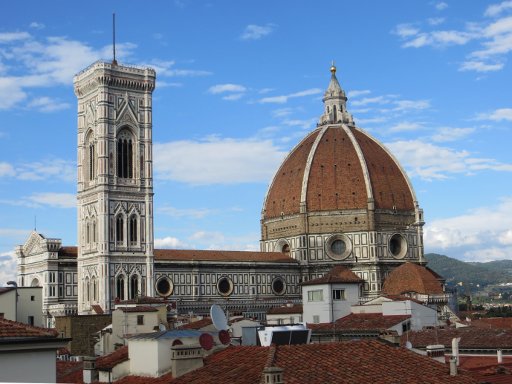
<point>338,167</point>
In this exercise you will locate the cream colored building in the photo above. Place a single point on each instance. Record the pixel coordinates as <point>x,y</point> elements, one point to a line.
<point>339,199</point>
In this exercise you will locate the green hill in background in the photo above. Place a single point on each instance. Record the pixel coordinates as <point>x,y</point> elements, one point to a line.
<point>471,274</point>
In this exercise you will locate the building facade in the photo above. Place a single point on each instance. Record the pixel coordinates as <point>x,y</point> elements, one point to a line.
<point>339,199</point>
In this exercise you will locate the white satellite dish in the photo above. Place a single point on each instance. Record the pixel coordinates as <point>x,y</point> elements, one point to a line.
<point>408,345</point>
<point>162,327</point>
<point>219,320</point>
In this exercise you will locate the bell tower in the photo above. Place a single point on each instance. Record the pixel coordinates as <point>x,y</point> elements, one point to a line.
<point>115,184</point>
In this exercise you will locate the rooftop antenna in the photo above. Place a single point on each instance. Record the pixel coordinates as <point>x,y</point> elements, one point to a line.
<point>35,223</point>
<point>114,61</point>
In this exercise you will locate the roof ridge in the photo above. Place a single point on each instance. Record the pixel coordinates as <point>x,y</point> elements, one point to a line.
<point>271,356</point>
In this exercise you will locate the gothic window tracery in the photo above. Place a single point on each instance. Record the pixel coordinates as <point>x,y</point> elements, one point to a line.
<point>134,286</point>
<point>133,229</point>
<point>119,229</point>
<point>120,287</point>
<point>125,154</point>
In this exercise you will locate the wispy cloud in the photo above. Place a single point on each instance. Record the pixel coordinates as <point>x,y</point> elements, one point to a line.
<point>284,98</point>
<point>471,237</point>
<point>229,91</point>
<point>446,134</point>
<point>406,126</point>
<point>495,9</point>
<point>168,69</point>
<point>196,213</point>
<point>56,200</point>
<point>502,114</point>
<point>170,242</point>
<point>9,37</point>
<point>441,5</point>
<point>256,32</point>
<point>36,25</point>
<point>429,162</point>
<point>47,104</point>
<point>480,66</point>
<point>48,169</point>
<point>357,93</point>
<point>217,161</point>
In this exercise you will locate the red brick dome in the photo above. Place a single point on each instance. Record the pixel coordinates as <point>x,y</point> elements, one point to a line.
<point>338,167</point>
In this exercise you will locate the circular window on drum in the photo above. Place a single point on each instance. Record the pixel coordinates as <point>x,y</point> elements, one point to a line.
<point>398,246</point>
<point>164,286</point>
<point>338,247</point>
<point>225,286</point>
<point>278,286</point>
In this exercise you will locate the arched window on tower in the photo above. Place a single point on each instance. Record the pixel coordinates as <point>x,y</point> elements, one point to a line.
<point>94,289</point>
<point>87,289</point>
<point>125,154</point>
<point>120,287</point>
<point>335,114</point>
<point>133,230</point>
<point>134,286</point>
<point>92,162</point>
<point>119,229</point>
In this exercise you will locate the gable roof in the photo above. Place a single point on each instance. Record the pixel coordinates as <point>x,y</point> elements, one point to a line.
<point>337,275</point>
<point>13,330</point>
<point>207,255</point>
<point>361,321</point>
<point>347,362</point>
<point>471,338</point>
<point>410,277</point>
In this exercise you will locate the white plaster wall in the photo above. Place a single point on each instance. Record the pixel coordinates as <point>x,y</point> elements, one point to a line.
<point>288,318</point>
<point>421,315</point>
<point>27,307</point>
<point>149,357</point>
<point>28,367</point>
<point>329,309</point>
<point>7,305</point>
<point>374,308</point>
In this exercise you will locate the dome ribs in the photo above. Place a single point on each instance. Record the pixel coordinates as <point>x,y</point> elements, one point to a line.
<point>283,197</point>
<point>335,175</point>
<point>390,187</point>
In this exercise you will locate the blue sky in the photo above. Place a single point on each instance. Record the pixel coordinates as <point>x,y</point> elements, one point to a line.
<point>239,84</point>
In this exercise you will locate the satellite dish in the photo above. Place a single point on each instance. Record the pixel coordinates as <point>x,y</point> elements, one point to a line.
<point>177,342</point>
<point>206,341</point>
<point>408,345</point>
<point>224,337</point>
<point>219,320</point>
<point>161,327</point>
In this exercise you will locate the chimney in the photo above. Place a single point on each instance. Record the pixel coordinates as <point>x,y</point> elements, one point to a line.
<point>273,375</point>
<point>453,366</point>
<point>185,358</point>
<point>455,349</point>
<point>90,373</point>
<point>500,356</point>
<point>436,352</point>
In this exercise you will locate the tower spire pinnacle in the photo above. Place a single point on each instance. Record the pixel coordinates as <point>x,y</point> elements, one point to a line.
<point>335,103</point>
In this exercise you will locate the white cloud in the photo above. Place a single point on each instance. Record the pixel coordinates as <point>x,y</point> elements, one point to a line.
<point>405,30</point>
<point>233,96</point>
<point>284,98</point>
<point>370,100</point>
<point>480,66</point>
<point>57,200</point>
<point>9,37</point>
<point>305,123</point>
<point>8,263</point>
<point>441,5</point>
<point>256,32</point>
<point>195,213</point>
<point>502,114</point>
<point>406,126</point>
<point>47,104</point>
<point>482,234</point>
<point>496,9</point>
<point>405,105</point>
<point>56,169</point>
<point>36,25</point>
<point>11,92</point>
<point>6,169</point>
<point>446,134</point>
<point>222,88</point>
<point>282,112</point>
<point>428,161</point>
<point>439,39</point>
<point>435,20</point>
<point>169,242</point>
<point>219,240</point>
<point>217,161</point>
<point>356,93</point>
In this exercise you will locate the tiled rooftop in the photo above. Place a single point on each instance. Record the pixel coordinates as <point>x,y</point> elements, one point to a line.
<point>471,338</point>
<point>138,308</point>
<point>234,256</point>
<point>337,275</point>
<point>12,330</point>
<point>410,277</point>
<point>204,322</point>
<point>68,252</point>
<point>349,362</point>
<point>360,322</point>
<point>285,309</point>
<point>112,359</point>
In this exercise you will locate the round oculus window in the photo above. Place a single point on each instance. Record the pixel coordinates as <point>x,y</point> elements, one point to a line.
<point>397,246</point>
<point>225,286</point>
<point>164,286</point>
<point>338,247</point>
<point>278,286</point>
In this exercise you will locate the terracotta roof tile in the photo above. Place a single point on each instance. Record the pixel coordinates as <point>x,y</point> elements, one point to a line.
<point>70,371</point>
<point>14,330</point>
<point>138,308</point>
<point>337,275</point>
<point>68,252</point>
<point>228,256</point>
<point>410,277</point>
<point>197,325</point>
<point>348,362</point>
<point>112,359</point>
<point>471,338</point>
<point>492,322</point>
<point>361,321</point>
<point>97,309</point>
<point>285,309</point>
